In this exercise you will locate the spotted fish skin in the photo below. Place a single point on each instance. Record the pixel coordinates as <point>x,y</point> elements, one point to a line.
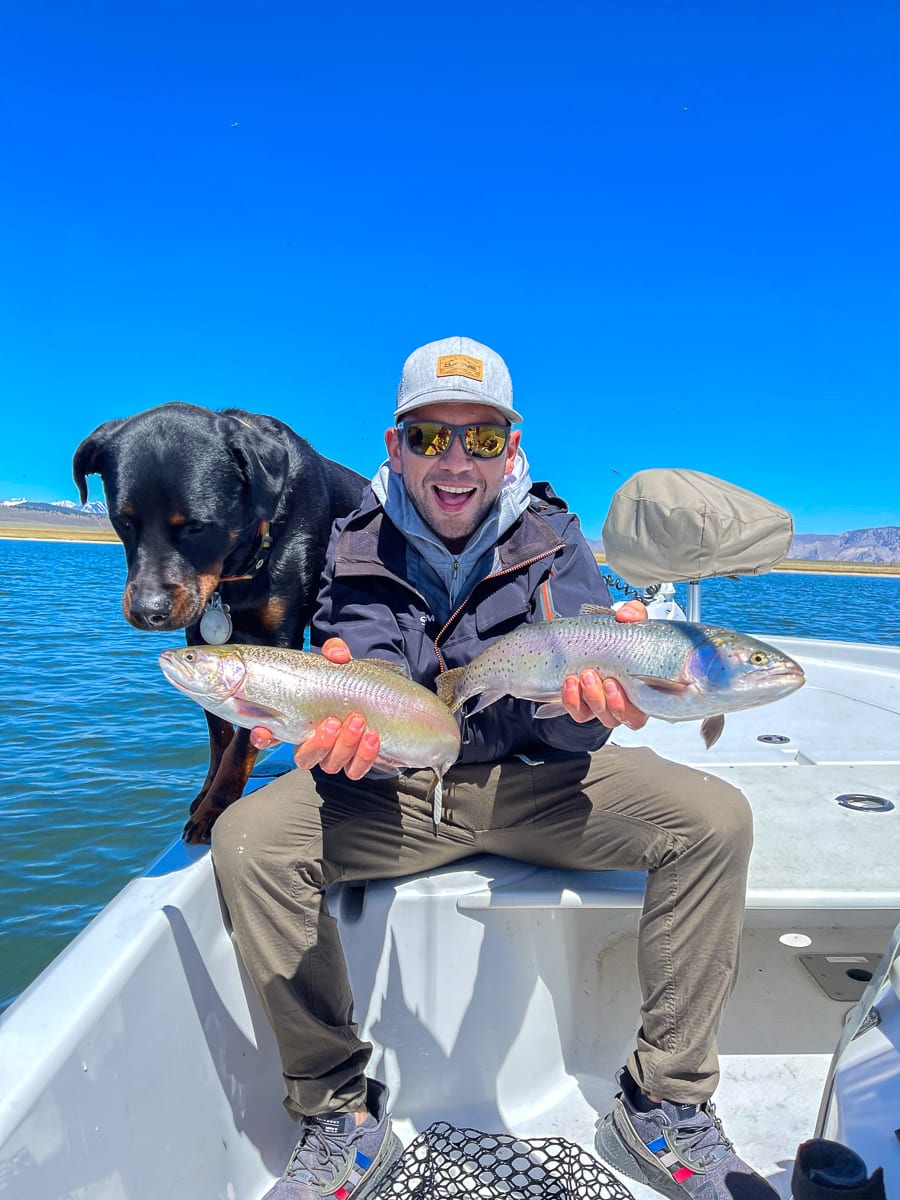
<point>674,670</point>
<point>290,691</point>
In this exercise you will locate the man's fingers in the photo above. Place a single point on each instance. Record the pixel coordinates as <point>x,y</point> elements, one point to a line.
<point>340,746</point>
<point>365,757</point>
<point>632,610</point>
<point>262,738</point>
<point>336,650</point>
<point>620,707</point>
<point>580,698</point>
<point>589,696</point>
<point>345,744</point>
<point>319,743</point>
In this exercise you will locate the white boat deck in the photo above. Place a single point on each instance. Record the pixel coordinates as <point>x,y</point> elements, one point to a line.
<point>498,995</point>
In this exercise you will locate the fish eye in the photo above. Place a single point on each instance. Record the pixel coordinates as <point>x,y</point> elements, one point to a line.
<point>189,655</point>
<point>758,659</point>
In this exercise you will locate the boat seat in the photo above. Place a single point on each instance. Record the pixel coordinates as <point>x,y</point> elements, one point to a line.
<point>488,883</point>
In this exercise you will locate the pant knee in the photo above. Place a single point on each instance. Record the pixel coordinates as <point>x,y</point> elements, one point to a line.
<point>719,814</point>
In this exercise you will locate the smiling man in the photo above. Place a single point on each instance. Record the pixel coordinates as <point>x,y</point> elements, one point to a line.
<point>452,547</point>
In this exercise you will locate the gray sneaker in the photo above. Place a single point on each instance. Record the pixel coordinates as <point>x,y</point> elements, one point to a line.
<point>679,1149</point>
<point>336,1158</point>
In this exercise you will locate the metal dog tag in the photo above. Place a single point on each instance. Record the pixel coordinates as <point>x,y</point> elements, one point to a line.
<point>215,624</point>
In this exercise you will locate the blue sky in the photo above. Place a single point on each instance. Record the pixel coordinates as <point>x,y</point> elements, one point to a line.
<point>677,222</point>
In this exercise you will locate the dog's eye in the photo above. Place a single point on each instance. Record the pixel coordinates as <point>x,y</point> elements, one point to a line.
<point>194,527</point>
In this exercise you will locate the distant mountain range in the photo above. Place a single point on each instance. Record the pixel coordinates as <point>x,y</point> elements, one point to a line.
<point>95,508</point>
<point>880,544</point>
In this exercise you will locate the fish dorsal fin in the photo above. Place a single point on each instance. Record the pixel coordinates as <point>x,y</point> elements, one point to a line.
<point>711,729</point>
<point>673,687</point>
<point>596,610</point>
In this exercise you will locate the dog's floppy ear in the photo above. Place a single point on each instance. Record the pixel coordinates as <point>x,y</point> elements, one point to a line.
<point>264,464</point>
<point>88,458</point>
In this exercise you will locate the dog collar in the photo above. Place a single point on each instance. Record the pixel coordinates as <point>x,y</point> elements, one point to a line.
<point>259,557</point>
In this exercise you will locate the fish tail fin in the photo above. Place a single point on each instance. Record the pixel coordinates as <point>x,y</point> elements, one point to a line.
<point>435,794</point>
<point>711,729</point>
<point>446,686</point>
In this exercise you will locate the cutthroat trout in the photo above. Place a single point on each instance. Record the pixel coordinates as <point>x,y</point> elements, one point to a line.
<point>675,670</point>
<point>291,691</point>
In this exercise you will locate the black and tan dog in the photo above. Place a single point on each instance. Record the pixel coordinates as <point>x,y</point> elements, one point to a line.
<point>224,517</point>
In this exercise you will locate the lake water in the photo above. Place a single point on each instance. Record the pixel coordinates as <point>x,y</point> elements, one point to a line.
<point>102,756</point>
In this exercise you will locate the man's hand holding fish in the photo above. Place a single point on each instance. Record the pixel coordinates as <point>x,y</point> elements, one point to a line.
<point>590,696</point>
<point>334,745</point>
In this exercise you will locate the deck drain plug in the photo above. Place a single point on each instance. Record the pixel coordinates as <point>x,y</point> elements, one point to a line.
<point>773,739</point>
<point>862,803</point>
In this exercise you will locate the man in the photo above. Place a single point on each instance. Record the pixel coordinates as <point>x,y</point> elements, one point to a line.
<point>453,546</point>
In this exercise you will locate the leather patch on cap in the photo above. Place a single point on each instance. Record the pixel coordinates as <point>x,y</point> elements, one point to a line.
<point>460,364</point>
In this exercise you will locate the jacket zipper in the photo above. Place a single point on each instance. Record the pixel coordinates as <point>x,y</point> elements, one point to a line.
<point>494,575</point>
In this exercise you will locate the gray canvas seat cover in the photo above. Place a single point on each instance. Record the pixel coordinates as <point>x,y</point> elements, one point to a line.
<point>667,525</point>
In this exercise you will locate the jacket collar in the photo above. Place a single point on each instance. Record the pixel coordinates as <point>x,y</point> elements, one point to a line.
<point>370,539</point>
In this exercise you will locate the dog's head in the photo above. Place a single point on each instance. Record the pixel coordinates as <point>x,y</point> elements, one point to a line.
<point>186,489</point>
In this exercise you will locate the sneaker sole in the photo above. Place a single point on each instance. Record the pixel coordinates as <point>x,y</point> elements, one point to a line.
<point>612,1147</point>
<point>393,1150</point>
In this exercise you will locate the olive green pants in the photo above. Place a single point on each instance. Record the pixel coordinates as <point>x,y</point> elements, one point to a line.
<point>277,849</point>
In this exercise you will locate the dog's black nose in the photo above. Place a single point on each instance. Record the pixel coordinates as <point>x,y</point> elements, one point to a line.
<point>151,611</point>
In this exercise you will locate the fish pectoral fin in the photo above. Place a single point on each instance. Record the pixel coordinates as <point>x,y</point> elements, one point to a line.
<point>673,687</point>
<point>596,610</point>
<point>711,729</point>
<point>553,708</point>
<point>257,712</point>
<point>486,698</point>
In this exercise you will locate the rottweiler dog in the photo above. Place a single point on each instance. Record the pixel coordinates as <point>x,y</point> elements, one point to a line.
<point>225,518</point>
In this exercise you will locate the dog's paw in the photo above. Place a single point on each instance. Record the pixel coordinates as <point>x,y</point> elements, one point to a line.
<point>198,828</point>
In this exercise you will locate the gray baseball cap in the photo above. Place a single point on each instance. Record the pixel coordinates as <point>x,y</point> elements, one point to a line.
<point>455,370</point>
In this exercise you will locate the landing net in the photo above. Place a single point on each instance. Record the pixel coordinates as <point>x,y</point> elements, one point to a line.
<point>447,1163</point>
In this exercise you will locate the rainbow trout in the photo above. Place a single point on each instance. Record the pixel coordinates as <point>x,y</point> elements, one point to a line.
<point>675,670</point>
<point>291,691</point>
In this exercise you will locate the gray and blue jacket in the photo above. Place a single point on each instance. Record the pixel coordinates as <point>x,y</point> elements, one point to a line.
<point>388,595</point>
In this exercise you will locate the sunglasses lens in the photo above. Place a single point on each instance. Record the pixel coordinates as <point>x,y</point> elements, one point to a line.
<point>429,438</point>
<point>485,441</point>
<point>480,441</point>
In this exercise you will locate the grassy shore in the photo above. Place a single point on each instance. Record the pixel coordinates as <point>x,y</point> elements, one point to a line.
<point>67,528</point>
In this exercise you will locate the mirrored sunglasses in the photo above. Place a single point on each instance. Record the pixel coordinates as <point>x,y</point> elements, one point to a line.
<point>432,438</point>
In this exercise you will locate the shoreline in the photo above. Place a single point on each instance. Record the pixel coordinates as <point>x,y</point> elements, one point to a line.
<point>37,531</point>
<point>815,566</point>
<point>33,532</point>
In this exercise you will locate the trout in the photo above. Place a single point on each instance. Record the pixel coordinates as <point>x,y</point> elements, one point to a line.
<point>674,670</point>
<point>291,691</point>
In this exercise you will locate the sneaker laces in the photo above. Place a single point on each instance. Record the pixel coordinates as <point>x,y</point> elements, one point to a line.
<point>701,1135</point>
<point>320,1153</point>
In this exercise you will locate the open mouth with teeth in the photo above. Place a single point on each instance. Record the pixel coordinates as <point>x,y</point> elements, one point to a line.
<point>451,498</point>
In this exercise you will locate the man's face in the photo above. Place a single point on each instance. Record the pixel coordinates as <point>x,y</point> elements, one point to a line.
<point>452,492</point>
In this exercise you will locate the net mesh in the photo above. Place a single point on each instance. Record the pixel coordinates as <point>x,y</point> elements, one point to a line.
<point>448,1163</point>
